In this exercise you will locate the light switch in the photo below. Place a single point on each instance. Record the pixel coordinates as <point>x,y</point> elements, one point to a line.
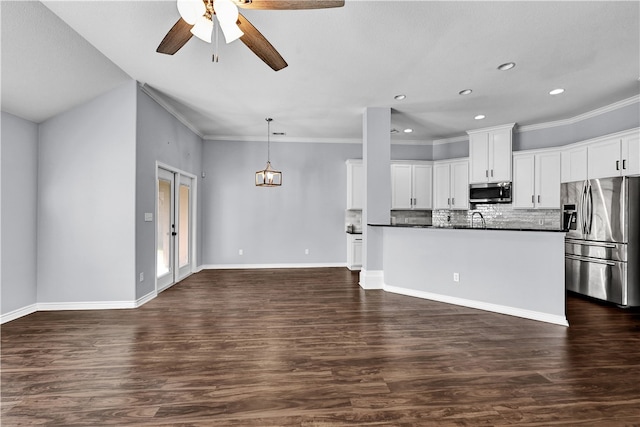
<point>148,217</point>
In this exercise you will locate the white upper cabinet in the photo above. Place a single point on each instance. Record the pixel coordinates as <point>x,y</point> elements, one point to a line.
<point>490,153</point>
<point>615,156</point>
<point>411,185</point>
<point>451,184</point>
<point>536,180</point>
<point>355,184</point>
<point>574,164</point>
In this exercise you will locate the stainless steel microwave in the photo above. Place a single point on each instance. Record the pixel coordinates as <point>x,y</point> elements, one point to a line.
<point>495,192</point>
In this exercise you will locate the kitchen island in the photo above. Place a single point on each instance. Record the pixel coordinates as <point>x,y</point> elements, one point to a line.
<point>515,272</point>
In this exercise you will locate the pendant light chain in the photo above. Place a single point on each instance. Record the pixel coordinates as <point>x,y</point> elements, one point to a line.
<point>269,139</point>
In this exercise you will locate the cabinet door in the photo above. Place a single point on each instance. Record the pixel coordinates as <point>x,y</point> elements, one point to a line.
<point>523,195</point>
<point>422,186</point>
<point>355,186</point>
<point>460,185</point>
<point>500,156</point>
<point>631,154</point>
<point>478,157</point>
<point>441,185</point>
<point>547,180</point>
<point>574,164</point>
<point>603,159</point>
<point>401,186</point>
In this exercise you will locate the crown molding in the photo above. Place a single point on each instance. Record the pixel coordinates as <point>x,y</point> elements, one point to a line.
<point>589,114</point>
<point>461,138</point>
<point>154,95</point>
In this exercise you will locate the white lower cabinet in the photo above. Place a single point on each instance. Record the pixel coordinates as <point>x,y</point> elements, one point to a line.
<point>536,180</point>
<point>354,251</point>
<point>451,184</point>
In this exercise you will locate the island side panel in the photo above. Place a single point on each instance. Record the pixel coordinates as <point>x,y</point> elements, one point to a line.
<point>512,272</point>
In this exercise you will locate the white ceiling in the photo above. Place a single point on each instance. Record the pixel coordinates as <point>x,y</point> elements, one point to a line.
<point>340,62</point>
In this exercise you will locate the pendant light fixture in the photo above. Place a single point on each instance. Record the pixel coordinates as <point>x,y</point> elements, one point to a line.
<point>268,177</point>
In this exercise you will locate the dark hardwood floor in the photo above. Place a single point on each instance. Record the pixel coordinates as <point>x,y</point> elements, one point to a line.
<point>308,347</point>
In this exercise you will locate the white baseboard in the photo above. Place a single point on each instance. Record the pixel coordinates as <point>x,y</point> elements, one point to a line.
<point>257,266</point>
<point>85,305</point>
<point>495,308</point>
<point>15,314</point>
<point>145,299</point>
<point>371,279</point>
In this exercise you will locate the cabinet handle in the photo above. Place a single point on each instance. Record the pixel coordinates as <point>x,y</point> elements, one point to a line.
<point>617,165</point>
<point>533,198</point>
<point>449,201</point>
<point>538,198</point>
<point>486,173</point>
<point>453,201</point>
<point>491,173</point>
<point>624,163</point>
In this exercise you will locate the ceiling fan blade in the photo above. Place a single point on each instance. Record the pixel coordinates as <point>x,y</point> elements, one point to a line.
<point>260,45</point>
<point>288,4</point>
<point>177,36</point>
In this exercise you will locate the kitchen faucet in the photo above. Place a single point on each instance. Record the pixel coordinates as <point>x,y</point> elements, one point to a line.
<point>484,224</point>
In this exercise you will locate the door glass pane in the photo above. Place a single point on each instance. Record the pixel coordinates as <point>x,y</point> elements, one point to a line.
<point>164,227</point>
<point>183,228</point>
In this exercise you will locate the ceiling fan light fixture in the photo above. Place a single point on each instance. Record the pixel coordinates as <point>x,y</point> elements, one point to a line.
<point>227,13</point>
<point>191,10</point>
<point>203,29</point>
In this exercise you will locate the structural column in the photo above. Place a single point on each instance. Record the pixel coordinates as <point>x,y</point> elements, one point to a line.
<point>376,154</point>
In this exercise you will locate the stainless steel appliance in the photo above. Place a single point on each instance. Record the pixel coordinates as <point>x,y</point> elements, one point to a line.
<point>602,244</point>
<point>495,192</point>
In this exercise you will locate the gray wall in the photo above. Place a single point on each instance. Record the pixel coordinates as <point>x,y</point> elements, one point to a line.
<point>19,170</point>
<point>160,137</point>
<point>86,199</point>
<point>275,225</point>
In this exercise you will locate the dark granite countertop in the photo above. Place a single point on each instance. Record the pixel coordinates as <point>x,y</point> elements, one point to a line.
<point>354,232</point>
<point>462,227</point>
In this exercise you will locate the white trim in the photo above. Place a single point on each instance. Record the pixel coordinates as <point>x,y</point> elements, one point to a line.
<point>581,117</point>
<point>371,279</point>
<point>153,94</point>
<point>145,299</point>
<point>461,138</point>
<point>85,305</point>
<point>258,266</point>
<point>495,308</point>
<point>309,140</point>
<point>20,312</point>
<point>492,128</point>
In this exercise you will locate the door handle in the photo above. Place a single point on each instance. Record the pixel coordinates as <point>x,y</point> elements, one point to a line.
<point>173,233</point>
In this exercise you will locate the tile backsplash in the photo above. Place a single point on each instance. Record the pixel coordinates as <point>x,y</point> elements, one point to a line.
<point>500,216</point>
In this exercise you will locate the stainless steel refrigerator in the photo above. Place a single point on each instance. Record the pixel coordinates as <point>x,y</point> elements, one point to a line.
<point>602,244</point>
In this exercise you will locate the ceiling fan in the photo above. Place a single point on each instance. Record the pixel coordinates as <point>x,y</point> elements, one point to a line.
<point>197,19</point>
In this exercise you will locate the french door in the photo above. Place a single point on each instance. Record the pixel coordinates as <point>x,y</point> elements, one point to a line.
<point>174,233</point>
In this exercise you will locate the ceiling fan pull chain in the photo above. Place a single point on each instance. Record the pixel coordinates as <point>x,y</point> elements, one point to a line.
<point>215,57</point>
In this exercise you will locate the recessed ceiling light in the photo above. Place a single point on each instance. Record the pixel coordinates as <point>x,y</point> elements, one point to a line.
<point>556,91</point>
<point>399,97</point>
<point>408,130</point>
<point>506,66</point>
<point>465,92</point>
<point>479,117</point>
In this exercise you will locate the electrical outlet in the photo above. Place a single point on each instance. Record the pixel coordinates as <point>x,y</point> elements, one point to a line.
<point>306,251</point>
<point>456,277</point>
<point>541,222</point>
<point>240,252</point>
<point>142,277</point>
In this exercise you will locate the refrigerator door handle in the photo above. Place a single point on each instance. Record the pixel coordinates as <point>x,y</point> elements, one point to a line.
<point>585,259</point>
<point>589,209</point>
<point>582,208</point>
